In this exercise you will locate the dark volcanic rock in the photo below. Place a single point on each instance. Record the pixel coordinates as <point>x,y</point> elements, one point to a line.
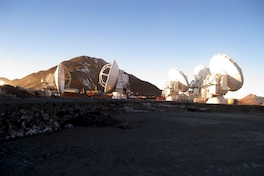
<point>24,117</point>
<point>94,118</point>
<point>10,91</point>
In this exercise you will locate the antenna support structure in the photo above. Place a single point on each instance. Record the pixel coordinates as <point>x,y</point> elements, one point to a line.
<point>211,84</point>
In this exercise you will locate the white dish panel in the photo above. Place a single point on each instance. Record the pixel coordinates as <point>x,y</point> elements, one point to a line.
<point>60,78</point>
<point>200,72</point>
<point>220,64</point>
<point>112,77</point>
<point>179,76</point>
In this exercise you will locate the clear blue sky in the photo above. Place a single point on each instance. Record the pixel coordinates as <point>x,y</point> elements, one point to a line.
<point>146,37</point>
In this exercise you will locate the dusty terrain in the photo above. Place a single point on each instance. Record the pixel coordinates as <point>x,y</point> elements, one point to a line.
<point>191,140</point>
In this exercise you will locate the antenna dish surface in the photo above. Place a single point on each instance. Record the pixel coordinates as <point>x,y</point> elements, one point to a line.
<point>111,76</point>
<point>222,64</point>
<point>60,78</point>
<point>200,72</point>
<point>179,76</point>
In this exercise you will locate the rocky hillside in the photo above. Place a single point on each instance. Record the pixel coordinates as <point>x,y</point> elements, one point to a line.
<point>84,73</point>
<point>10,91</point>
<point>251,99</point>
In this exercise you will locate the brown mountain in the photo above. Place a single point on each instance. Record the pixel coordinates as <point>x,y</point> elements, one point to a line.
<point>84,72</point>
<point>10,91</point>
<point>5,81</point>
<point>251,99</point>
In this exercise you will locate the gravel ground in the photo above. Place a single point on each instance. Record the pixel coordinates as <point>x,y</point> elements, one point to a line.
<point>223,141</point>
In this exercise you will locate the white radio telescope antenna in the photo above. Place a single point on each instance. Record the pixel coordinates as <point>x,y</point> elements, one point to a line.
<point>62,78</point>
<point>178,82</point>
<point>222,63</point>
<point>59,78</point>
<point>108,76</point>
<point>225,76</point>
<point>111,77</point>
<point>56,82</point>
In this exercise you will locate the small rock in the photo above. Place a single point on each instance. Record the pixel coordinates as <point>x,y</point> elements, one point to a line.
<point>46,117</point>
<point>195,109</point>
<point>31,131</point>
<point>47,130</point>
<point>245,165</point>
<point>23,111</point>
<point>147,104</point>
<point>204,109</point>
<point>123,125</point>
<point>125,160</point>
<point>68,126</point>
<point>256,165</point>
<point>56,124</point>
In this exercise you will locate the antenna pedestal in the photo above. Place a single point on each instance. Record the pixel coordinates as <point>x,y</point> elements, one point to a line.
<point>216,100</point>
<point>119,95</point>
<point>172,98</point>
<point>171,94</point>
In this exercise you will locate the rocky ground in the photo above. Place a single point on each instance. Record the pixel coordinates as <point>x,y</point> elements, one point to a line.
<point>141,137</point>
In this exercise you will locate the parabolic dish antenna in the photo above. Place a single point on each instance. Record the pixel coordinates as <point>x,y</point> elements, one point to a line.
<point>176,75</point>
<point>108,76</point>
<point>200,72</point>
<point>60,78</point>
<point>222,63</point>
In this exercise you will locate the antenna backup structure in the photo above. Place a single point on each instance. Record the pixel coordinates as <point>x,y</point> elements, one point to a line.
<point>223,75</point>
<point>177,84</point>
<point>111,78</point>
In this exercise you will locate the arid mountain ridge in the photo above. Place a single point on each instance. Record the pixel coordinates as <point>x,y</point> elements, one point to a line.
<point>85,72</point>
<point>252,99</point>
<point>84,75</point>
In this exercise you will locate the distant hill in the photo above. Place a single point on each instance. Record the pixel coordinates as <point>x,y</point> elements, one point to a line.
<point>84,73</point>
<point>6,81</point>
<point>10,91</point>
<point>251,99</point>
